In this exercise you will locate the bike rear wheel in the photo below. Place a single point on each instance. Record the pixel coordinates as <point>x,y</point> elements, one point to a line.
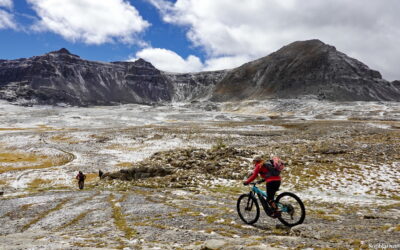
<point>292,209</point>
<point>248,209</point>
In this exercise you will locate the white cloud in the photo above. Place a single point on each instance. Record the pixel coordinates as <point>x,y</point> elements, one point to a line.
<point>367,30</point>
<point>168,60</point>
<point>225,62</point>
<point>7,20</point>
<point>90,21</point>
<point>6,3</point>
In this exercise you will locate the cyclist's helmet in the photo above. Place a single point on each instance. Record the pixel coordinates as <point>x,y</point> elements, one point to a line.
<point>257,158</point>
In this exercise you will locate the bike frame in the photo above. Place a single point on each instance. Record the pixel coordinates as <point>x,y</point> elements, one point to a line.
<point>262,196</point>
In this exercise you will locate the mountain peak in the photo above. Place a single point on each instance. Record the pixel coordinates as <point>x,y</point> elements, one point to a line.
<point>306,48</point>
<point>62,51</point>
<point>308,43</point>
<point>311,42</point>
<point>305,68</point>
<point>140,60</point>
<point>143,63</point>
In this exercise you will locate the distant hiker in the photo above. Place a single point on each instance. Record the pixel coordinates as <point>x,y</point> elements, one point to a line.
<point>270,171</point>
<point>81,179</point>
<point>100,174</point>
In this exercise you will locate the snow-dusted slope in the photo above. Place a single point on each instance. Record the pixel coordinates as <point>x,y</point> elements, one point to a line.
<point>194,86</point>
<point>306,68</point>
<point>61,77</point>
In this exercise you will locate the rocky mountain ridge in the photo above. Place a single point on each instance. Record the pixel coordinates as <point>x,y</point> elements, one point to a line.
<point>61,77</point>
<point>194,86</point>
<point>306,68</point>
<point>299,69</point>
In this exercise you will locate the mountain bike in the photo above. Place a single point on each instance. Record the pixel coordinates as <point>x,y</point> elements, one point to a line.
<point>292,210</point>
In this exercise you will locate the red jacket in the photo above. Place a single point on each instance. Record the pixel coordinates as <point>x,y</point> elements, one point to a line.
<point>81,177</point>
<point>263,171</point>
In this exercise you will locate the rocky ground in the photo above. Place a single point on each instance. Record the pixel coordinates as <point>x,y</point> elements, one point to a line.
<point>174,185</point>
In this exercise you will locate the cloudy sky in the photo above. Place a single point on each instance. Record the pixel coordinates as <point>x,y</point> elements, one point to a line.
<point>196,35</point>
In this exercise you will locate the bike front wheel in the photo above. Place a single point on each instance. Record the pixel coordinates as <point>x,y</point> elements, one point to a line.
<point>248,209</point>
<point>292,209</point>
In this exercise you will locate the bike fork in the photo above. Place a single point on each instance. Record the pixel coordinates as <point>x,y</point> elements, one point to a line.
<point>249,204</point>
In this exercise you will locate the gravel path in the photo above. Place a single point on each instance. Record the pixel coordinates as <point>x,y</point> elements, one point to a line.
<point>172,219</point>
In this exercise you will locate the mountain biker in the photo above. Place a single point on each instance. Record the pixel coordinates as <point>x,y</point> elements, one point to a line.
<point>81,179</point>
<point>273,182</point>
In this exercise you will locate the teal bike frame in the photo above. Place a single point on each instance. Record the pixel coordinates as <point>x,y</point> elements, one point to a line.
<point>262,196</point>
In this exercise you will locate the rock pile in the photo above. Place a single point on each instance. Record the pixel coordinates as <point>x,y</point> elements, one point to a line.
<point>140,172</point>
<point>188,165</point>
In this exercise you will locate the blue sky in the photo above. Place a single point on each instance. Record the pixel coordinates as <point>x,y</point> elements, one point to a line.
<point>197,35</point>
<point>18,44</point>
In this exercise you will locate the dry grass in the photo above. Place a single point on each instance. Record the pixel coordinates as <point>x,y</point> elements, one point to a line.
<point>150,224</point>
<point>64,138</point>
<point>115,147</point>
<point>280,231</point>
<point>395,197</point>
<point>91,177</point>
<point>26,206</point>
<point>24,161</point>
<point>121,147</point>
<point>44,214</point>
<point>39,128</point>
<point>13,129</point>
<point>124,164</point>
<point>36,183</point>
<point>119,219</point>
<point>74,220</point>
<point>44,127</point>
<point>60,138</point>
<point>10,157</point>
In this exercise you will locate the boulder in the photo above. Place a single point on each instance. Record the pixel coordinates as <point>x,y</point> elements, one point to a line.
<point>306,231</point>
<point>214,244</point>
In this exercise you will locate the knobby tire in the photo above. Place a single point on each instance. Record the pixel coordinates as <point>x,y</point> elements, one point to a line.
<point>300,204</point>
<point>249,201</point>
